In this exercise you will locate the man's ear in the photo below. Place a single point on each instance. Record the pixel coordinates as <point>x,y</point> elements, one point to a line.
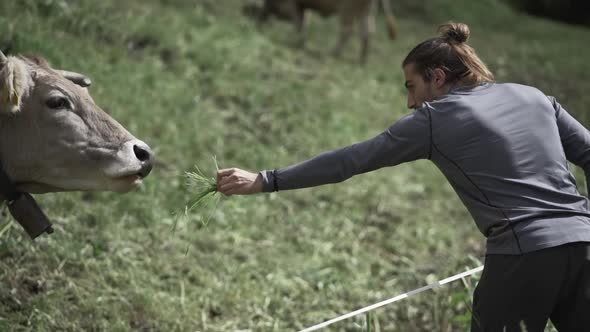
<point>13,83</point>
<point>439,77</point>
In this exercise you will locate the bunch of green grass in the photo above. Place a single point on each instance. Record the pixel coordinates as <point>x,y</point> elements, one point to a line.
<point>204,195</point>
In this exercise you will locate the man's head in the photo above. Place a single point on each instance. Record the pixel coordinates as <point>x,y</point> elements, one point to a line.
<point>434,66</point>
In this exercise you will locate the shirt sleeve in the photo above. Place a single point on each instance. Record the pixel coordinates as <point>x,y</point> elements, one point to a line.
<point>575,139</point>
<point>406,140</point>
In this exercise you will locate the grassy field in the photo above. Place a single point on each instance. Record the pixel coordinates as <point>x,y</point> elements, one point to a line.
<point>197,79</point>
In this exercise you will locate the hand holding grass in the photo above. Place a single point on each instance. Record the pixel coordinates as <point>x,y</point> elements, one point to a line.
<point>235,181</point>
<point>206,190</point>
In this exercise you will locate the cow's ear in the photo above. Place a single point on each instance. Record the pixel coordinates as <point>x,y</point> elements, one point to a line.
<point>12,84</point>
<point>77,78</point>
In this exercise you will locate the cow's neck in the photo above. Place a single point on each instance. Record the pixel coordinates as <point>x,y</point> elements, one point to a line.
<point>8,191</point>
<point>23,208</point>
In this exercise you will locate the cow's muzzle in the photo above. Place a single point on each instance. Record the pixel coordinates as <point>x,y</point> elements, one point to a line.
<point>144,154</point>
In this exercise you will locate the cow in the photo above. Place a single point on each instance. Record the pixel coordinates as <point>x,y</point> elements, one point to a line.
<point>54,138</point>
<point>349,12</point>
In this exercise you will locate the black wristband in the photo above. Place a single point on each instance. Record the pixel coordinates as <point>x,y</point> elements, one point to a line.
<point>274,180</point>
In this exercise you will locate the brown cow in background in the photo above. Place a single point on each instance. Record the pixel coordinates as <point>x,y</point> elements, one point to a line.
<point>348,11</point>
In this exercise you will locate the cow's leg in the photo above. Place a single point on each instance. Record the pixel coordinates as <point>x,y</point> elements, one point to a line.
<point>366,29</point>
<point>346,29</point>
<point>264,13</point>
<point>300,25</point>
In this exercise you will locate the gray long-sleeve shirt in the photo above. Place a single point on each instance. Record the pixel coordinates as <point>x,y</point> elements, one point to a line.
<point>503,147</point>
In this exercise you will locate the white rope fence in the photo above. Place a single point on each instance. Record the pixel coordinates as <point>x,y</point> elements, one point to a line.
<point>393,299</point>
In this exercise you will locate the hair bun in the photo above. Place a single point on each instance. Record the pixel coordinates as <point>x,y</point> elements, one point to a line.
<point>454,32</point>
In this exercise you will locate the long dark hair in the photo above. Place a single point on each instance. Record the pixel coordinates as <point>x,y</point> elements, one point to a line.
<point>450,53</point>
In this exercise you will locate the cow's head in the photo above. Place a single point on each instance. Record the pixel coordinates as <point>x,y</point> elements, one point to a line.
<point>53,137</point>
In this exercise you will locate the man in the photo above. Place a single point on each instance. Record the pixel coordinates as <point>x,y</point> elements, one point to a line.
<point>505,149</point>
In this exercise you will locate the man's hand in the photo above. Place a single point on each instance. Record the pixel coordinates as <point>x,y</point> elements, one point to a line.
<point>235,181</point>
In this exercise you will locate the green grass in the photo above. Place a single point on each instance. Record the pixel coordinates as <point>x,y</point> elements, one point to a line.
<point>195,79</point>
<point>204,197</point>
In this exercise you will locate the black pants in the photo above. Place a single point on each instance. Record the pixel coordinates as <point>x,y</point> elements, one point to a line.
<point>520,293</point>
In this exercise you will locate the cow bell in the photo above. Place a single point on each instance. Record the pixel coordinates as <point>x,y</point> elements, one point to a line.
<point>27,212</point>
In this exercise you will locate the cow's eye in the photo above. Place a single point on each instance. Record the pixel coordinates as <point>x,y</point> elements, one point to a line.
<point>58,102</point>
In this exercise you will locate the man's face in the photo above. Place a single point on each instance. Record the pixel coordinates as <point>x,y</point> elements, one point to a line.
<point>420,91</point>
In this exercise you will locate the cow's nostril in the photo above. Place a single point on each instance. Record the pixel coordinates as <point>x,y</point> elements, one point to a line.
<point>141,153</point>
<point>145,170</point>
